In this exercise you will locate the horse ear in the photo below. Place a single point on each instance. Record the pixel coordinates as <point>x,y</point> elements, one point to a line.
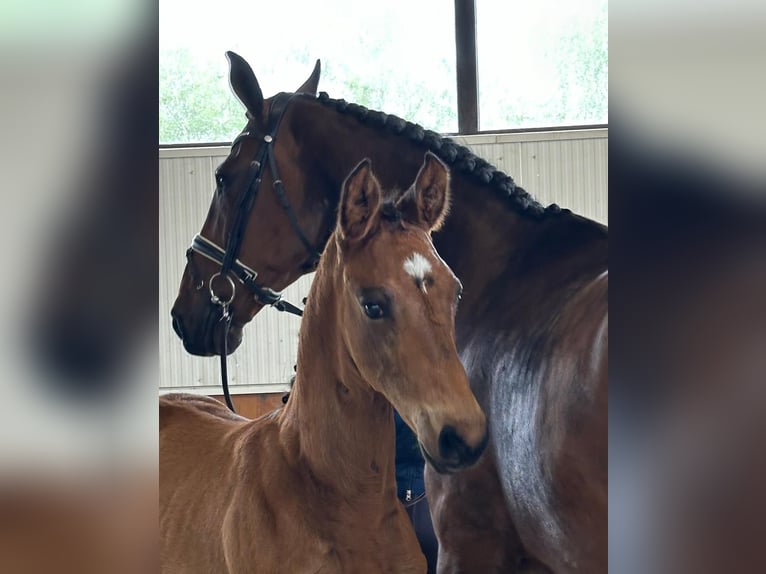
<point>244,84</point>
<point>359,202</point>
<point>310,85</point>
<point>427,201</point>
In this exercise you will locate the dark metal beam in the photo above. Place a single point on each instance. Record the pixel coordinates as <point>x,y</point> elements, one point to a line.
<point>467,67</point>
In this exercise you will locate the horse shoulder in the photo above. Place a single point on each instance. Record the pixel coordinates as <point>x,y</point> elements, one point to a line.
<point>574,380</point>
<point>265,508</point>
<point>576,424</point>
<point>581,334</point>
<point>550,417</point>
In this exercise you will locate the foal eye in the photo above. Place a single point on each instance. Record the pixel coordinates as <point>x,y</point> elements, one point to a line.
<point>374,310</point>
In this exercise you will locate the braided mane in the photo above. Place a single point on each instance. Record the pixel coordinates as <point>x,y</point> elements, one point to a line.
<point>458,157</point>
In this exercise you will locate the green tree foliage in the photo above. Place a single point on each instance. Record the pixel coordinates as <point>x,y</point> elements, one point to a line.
<point>196,104</point>
<point>548,69</point>
<point>562,79</point>
<point>582,62</point>
<point>414,99</point>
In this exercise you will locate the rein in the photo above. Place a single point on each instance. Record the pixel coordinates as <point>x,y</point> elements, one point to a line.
<point>227,258</point>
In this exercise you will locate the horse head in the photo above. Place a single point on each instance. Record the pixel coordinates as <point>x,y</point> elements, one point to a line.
<point>236,265</point>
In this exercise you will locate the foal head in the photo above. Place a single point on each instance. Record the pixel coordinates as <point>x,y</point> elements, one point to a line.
<point>396,303</point>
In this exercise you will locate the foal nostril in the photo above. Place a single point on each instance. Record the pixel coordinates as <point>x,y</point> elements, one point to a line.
<point>453,448</point>
<point>177,327</point>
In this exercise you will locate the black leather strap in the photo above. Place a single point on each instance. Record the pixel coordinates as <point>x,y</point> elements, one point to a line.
<point>234,243</point>
<point>244,274</point>
<point>285,203</point>
<point>242,211</point>
<point>226,318</point>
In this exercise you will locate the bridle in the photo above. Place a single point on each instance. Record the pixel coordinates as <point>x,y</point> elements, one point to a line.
<point>227,258</point>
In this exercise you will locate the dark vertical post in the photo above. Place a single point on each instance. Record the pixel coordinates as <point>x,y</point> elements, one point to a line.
<point>467,73</point>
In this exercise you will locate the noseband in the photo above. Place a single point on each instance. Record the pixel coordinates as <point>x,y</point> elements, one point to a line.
<point>227,258</point>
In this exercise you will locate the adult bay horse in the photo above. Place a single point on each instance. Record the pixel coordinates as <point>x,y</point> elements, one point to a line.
<point>311,487</point>
<point>531,330</point>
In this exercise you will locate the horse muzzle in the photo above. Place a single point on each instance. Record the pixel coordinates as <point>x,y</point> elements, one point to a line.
<point>204,337</point>
<point>454,452</point>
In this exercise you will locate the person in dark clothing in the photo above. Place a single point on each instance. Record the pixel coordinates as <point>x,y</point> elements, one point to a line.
<point>411,489</point>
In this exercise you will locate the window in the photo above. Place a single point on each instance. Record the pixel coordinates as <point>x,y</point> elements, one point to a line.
<point>540,64</point>
<point>398,56</point>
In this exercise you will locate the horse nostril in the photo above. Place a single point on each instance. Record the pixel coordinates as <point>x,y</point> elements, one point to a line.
<point>453,448</point>
<point>451,444</point>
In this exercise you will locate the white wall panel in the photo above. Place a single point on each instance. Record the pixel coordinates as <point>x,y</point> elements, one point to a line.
<point>569,168</point>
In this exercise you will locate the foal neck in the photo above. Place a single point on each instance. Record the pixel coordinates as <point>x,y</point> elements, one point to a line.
<point>334,422</point>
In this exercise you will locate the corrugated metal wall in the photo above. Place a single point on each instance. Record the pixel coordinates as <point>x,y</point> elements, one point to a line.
<point>569,168</point>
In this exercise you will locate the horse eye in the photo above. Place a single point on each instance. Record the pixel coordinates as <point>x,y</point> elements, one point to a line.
<point>374,310</point>
<point>219,180</point>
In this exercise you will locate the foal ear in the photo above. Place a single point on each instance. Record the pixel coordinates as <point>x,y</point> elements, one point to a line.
<point>427,201</point>
<point>310,85</point>
<point>359,202</point>
<point>244,85</point>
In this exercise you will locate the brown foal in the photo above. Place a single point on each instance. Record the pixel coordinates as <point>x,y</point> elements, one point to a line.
<point>311,487</point>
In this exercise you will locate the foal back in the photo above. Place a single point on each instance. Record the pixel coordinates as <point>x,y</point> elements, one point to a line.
<point>218,511</point>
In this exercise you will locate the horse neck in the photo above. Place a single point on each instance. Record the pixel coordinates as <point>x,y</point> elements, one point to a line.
<point>334,422</point>
<point>517,251</point>
<point>515,248</point>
